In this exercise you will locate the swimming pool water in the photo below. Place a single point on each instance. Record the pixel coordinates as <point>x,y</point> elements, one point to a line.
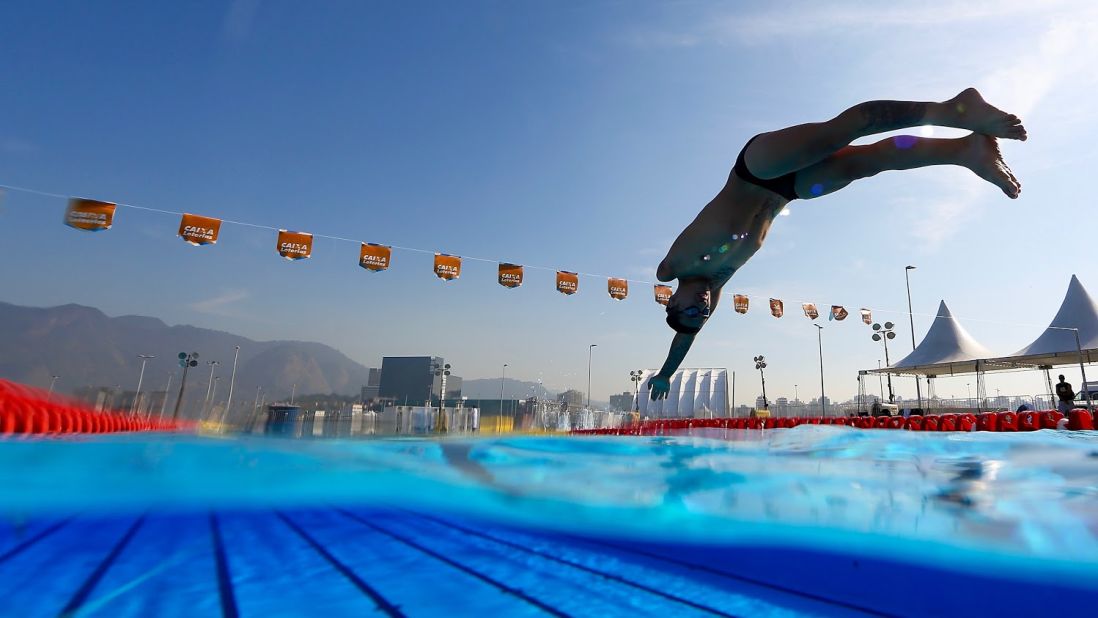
<point>815,520</point>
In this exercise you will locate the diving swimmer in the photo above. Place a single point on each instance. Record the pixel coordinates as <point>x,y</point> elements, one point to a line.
<point>805,162</point>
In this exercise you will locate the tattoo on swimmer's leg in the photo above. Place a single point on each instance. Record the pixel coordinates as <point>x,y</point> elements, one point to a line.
<point>882,116</point>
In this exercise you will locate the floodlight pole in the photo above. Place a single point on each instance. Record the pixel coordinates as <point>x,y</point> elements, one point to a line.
<point>911,319</point>
<point>823,400</point>
<point>891,395</point>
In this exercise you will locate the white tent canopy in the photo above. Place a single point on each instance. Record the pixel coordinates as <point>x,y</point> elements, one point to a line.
<point>946,344</point>
<point>1077,311</point>
<point>694,393</point>
<point>948,349</point>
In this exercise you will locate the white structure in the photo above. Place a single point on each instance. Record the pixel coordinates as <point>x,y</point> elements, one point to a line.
<point>695,393</point>
<point>946,342</point>
<point>1077,311</point>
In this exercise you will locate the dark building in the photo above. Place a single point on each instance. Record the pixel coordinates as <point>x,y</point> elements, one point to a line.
<point>372,391</point>
<point>411,380</point>
<point>622,402</point>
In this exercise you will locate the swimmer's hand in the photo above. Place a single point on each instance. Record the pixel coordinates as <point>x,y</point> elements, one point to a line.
<point>658,386</point>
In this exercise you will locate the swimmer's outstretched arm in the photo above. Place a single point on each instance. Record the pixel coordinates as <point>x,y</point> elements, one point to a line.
<point>659,384</point>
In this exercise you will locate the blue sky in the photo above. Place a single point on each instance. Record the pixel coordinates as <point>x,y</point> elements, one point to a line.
<point>580,136</point>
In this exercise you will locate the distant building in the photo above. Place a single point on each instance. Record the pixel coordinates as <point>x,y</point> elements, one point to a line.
<point>412,379</point>
<point>372,391</point>
<point>622,402</point>
<point>572,397</point>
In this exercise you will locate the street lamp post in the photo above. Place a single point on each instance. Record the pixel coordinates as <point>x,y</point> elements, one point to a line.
<point>53,380</point>
<point>589,349</point>
<point>760,364</point>
<point>212,364</point>
<point>911,319</point>
<point>140,378</point>
<point>441,371</point>
<point>823,399</point>
<point>502,383</point>
<point>164,401</point>
<point>883,335</point>
<point>636,377</point>
<point>232,383</point>
<point>213,397</point>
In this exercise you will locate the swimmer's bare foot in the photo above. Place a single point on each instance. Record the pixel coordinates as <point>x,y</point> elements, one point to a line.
<point>980,153</point>
<point>970,111</point>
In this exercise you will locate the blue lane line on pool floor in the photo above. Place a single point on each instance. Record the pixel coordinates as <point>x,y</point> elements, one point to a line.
<point>224,579</point>
<point>457,565</point>
<point>732,576</point>
<point>382,603</point>
<point>21,547</point>
<point>610,576</point>
<point>101,570</point>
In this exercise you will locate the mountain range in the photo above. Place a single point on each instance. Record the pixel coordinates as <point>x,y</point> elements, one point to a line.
<point>88,349</point>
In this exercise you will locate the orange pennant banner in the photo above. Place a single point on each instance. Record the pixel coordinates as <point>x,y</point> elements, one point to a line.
<point>89,215</point>
<point>867,316</point>
<point>447,267</point>
<point>510,275</point>
<point>198,230</point>
<point>740,302</point>
<point>374,258</point>
<point>618,288</point>
<point>294,245</point>
<point>663,294</point>
<point>838,313</point>
<point>567,283</point>
<point>810,310</point>
<point>777,308</point>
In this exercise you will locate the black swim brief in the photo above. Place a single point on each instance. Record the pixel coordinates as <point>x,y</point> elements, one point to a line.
<point>782,185</point>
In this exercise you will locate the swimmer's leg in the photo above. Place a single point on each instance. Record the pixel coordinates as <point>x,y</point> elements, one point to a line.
<point>976,152</point>
<point>788,150</point>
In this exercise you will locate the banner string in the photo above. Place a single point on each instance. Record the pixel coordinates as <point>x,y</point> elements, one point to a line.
<point>824,309</point>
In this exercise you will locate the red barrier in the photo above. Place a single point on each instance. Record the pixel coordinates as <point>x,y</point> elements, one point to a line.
<point>1008,421</point>
<point>1029,421</point>
<point>915,422</point>
<point>966,422</point>
<point>947,422</point>
<point>1080,420</point>
<point>896,422</point>
<point>1050,419</point>
<point>881,422</point>
<point>930,423</point>
<point>988,421</point>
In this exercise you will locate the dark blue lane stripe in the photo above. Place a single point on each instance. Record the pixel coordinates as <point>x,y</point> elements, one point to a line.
<point>617,578</point>
<point>727,575</point>
<point>224,578</point>
<point>382,603</point>
<point>457,565</point>
<point>14,551</point>
<point>81,595</point>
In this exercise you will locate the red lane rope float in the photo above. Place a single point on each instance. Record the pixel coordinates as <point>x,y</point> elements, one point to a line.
<point>25,410</point>
<point>1076,420</point>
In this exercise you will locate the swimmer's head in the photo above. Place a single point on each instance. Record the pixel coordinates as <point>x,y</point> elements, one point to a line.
<point>688,309</point>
